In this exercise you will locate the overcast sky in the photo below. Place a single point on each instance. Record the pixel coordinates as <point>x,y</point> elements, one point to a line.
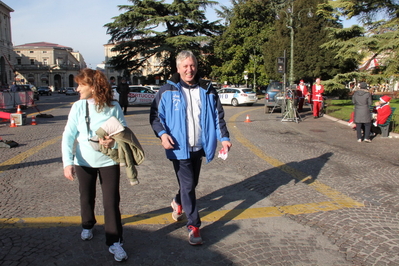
<point>78,24</point>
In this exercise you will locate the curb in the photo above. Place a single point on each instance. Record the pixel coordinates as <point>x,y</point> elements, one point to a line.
<point>391,134</point>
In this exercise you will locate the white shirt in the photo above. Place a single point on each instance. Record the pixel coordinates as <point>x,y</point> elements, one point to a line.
<point>193,116</point>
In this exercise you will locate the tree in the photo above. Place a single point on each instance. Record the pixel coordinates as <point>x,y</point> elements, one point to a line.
<point>239,47</point>
<point>154,28</point>
<point>311,60</point>
<point>378,38</point>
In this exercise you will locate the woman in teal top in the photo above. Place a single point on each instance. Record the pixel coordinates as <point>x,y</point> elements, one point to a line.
<point>88,114</point>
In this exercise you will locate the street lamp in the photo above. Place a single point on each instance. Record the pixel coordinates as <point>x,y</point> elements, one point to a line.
<point>290,15</point>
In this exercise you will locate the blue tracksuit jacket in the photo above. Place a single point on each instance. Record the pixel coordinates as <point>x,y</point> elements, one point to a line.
<point>168,115</point>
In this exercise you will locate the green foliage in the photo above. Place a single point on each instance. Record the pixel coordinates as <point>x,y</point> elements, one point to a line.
<point>239,47</point>
<point>154,28</point>
<point>311,59</point>
<point>378,39</point>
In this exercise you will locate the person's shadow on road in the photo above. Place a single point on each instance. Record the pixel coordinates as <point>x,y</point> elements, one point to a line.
<point>247,192</point>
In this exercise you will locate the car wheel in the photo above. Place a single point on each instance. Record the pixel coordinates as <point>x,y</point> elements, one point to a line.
<point>234,102</point>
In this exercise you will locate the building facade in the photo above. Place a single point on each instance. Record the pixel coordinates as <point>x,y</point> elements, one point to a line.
<point>147,74</point>
<point>47,64</point>
<point>6,47</point>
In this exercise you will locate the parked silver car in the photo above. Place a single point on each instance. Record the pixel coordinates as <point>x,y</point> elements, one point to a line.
<point>71,91</point>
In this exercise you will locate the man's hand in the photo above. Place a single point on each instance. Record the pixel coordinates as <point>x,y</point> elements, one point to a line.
<point>226,145</point>
<point>167,142</point>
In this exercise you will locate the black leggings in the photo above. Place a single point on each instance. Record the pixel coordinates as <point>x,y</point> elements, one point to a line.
<point>109,179</point>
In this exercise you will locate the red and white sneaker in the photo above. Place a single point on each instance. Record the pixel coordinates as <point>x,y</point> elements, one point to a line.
<point>194,236</point>
<point>177,213</point>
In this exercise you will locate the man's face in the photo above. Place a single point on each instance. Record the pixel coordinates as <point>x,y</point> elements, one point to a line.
<point>318,81</point>
<point>187,70</point>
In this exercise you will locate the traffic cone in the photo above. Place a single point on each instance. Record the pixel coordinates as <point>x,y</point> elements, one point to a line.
<point>13,122</point>
<point>247,120</point>
<point>33,121</point>
<point>19,111</point>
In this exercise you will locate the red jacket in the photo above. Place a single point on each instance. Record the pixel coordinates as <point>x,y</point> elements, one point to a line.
<point>302,91</point>
<point>317,92</point>
<point>383,112</point>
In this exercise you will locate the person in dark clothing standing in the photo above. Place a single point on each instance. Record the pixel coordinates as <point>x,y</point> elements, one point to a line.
<point>362,101</point>
<point>123,90</point>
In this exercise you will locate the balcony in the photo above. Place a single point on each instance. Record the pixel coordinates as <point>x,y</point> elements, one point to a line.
<point>42,67</point>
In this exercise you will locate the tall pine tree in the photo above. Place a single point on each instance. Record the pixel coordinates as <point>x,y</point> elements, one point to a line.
<point>154,28</point>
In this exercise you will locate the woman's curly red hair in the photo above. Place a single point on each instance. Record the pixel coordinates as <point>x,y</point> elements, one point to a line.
<point>98,81</point>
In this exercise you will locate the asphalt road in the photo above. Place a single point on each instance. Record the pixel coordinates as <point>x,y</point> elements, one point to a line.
<point>288,194</point>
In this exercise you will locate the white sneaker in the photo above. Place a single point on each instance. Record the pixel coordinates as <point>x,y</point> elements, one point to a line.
<point>359,140</point>
<point>86,234</point>
<point>118,251</point>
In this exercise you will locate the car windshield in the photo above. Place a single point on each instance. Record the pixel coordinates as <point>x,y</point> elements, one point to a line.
<point>248,91</point>
<point>276,86</point>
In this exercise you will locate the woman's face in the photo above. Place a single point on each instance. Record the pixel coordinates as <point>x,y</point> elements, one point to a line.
<point>85,91</point>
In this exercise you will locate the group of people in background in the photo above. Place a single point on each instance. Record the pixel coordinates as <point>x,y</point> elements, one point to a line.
<point>363,116</point>
<point>315,96</point>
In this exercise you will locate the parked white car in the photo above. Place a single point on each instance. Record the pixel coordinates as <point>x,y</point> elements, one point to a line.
<point>140,95</point>
<point>154,87</point>
<point>237,96</point>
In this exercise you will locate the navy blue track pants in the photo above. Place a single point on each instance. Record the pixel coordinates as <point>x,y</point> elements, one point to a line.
<point>187,173</point>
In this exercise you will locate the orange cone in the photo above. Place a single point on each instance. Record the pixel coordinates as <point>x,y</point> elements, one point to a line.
<point>33,121</point>
<point>247,120</point>
<point>19,111</point>
<point>13,122</point>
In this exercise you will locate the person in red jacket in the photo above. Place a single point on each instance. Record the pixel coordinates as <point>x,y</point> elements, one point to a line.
<point>383,110</point>
<point>317,97</point>
<point>302,92</point>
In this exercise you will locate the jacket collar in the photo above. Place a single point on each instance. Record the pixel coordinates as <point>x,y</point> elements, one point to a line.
<point>204,84</point>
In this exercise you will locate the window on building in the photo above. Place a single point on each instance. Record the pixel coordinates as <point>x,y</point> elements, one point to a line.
<point>32,61</point>
<point>44,52</point>
<point>60,61</point>
<point>31,52</point>
<point>18,61</point>
<point>45,61</point>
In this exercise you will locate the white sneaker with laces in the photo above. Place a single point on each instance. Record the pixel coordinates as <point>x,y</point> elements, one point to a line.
<point>86,234</point>
<point>118,251</point>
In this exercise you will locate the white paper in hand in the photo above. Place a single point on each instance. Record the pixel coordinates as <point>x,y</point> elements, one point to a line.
<point>223,154</point>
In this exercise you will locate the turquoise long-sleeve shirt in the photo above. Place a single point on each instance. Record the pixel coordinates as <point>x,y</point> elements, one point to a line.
<point>76,129</point>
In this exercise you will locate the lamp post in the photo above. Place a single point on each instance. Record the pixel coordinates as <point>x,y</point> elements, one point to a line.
<point>290,15</point>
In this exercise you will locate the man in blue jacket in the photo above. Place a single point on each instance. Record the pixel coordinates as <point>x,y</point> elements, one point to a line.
<point>188,117</point>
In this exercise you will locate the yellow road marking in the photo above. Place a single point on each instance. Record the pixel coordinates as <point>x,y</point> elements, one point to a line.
<point>166,218</point>
<point>337,197</point>
<point>22,156</point>
<point>339,201</point>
